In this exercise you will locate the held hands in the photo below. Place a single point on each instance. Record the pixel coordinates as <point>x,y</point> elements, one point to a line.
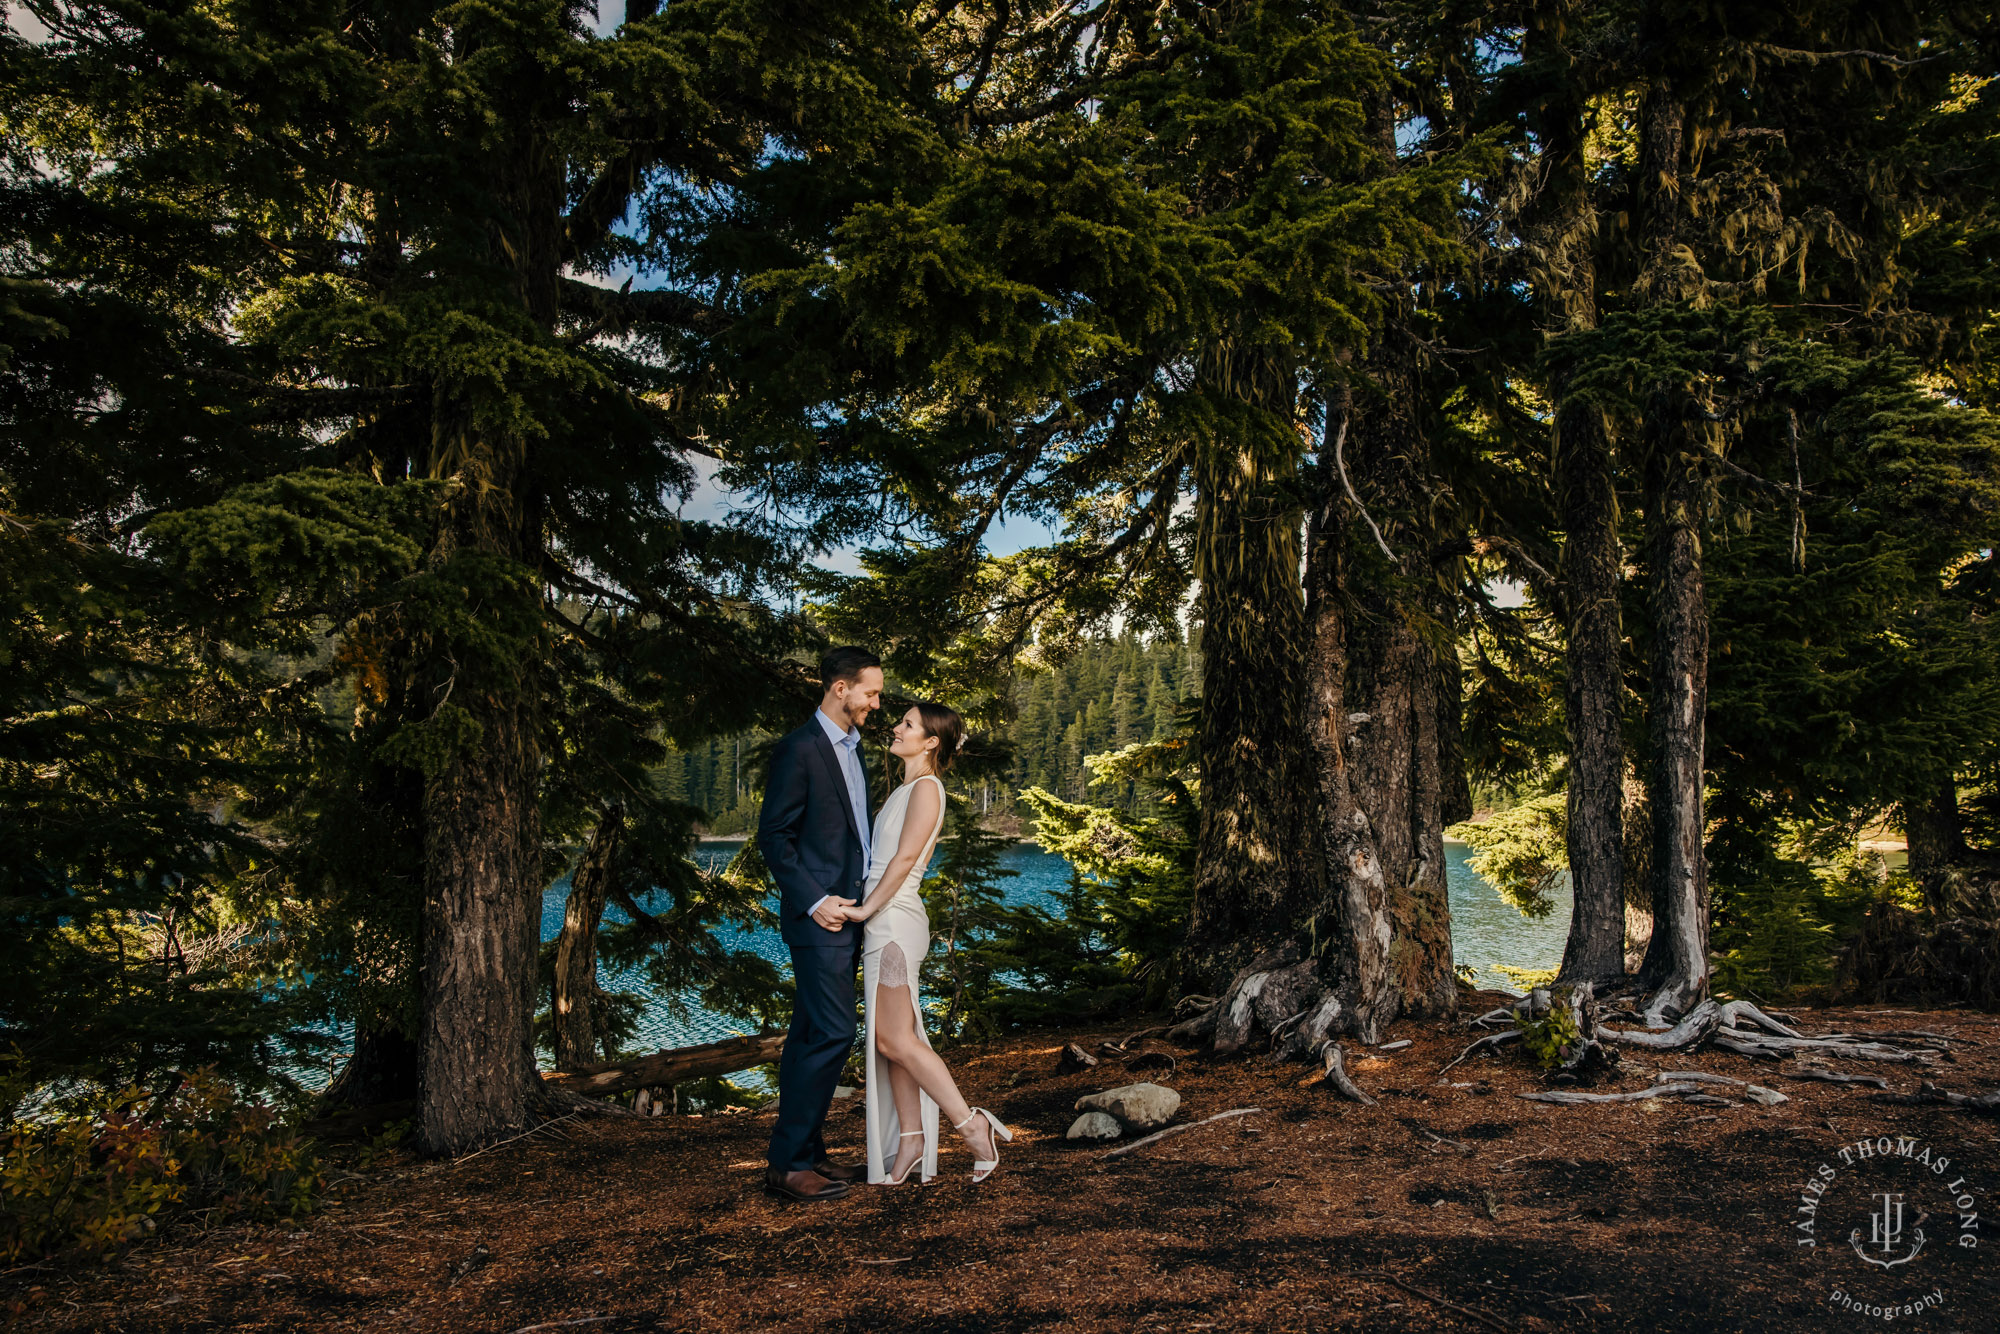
<point>833,913</point>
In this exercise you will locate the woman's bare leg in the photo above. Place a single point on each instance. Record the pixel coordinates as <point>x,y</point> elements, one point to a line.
<point>897,1040</point>
<point>909,1107</point>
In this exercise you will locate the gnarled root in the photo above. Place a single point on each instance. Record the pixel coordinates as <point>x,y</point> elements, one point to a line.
<point>1336,1075</point>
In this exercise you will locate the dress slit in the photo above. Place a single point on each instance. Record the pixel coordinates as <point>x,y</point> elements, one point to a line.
<point>895,936</point>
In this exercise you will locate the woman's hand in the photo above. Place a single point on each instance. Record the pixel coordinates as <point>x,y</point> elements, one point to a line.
<point>855,912</point>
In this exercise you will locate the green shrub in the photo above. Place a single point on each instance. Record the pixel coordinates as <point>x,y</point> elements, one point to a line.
<point>1548,1039</point>
<point>87,1184</point>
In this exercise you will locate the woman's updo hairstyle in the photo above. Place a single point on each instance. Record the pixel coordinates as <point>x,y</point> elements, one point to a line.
<point>942,722</point>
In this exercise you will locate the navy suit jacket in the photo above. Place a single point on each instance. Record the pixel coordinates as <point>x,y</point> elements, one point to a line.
<point>807,837</point>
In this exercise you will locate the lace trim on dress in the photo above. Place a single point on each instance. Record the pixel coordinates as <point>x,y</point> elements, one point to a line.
<point>895,970</point>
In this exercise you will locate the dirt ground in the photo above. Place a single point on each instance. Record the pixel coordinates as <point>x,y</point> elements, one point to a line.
<point>1311,1214</point>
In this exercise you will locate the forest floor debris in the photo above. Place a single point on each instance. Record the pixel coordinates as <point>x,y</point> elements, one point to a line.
<point>1449,1205</point>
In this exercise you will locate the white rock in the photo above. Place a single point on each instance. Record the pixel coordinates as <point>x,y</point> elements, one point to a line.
<point>1138,1106</point>
<point>1095,1125</point>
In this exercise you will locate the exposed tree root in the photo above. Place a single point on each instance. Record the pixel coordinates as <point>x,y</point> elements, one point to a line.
<point>1158,1135</point>
<point>1573,1098</point>
<point>1336,1074</point>
<point>1845,1047</point>
<point>1490,1040</point>
<point>1821,1074</point>
<point>1074,1058</point>
<point>1986,1104</point>
<point>1698,1027</point>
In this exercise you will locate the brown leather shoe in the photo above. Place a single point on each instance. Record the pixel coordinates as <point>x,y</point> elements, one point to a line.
<point>802,1187</point>
<point>838,1172</point>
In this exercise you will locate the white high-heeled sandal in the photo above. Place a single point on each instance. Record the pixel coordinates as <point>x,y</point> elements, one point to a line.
<point>899,1180</point>
<point>983,1167</point>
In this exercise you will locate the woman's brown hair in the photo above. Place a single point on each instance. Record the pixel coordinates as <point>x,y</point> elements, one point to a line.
<point>942,721</point>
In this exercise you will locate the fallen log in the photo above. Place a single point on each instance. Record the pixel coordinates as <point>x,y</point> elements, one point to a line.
<point>674,1065</point>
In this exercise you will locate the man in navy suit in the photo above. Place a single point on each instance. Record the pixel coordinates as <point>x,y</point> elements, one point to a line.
<point>813,835</point>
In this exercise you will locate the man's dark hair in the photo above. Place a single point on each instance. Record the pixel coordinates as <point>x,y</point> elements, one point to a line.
<point>845,664</point>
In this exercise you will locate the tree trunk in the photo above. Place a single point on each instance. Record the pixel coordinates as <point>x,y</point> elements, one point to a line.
<point>1675,969</point>
<point>1563,222</point>
<point>574,997</point>
<point>1254,884</point>
<point>1395,751</point>
<point>481,934</point>
<point>483,854</point>
<point>1593,698</point>
<point>1931,824</point>
<point>1355,927</point>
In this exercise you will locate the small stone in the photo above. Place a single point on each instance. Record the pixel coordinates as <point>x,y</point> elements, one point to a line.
<point>1095,1125</point>
<point>1138,1106</point>
<point>1768,1097</point>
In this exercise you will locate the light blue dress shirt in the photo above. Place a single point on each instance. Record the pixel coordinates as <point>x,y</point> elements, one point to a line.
<point>847,749</point>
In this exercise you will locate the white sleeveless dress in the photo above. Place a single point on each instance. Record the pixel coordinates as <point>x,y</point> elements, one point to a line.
<point>894,942</point>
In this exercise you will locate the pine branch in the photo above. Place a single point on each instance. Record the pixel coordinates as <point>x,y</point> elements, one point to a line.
<point>1815,57</point>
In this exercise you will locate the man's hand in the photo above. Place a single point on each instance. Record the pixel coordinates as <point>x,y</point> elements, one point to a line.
<point>831,912</point>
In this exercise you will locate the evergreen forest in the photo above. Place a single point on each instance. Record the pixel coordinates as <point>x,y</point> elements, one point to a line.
<point>1589,405</point>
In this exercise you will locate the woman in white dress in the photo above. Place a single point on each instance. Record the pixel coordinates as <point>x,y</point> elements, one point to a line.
<point>907,1082</point>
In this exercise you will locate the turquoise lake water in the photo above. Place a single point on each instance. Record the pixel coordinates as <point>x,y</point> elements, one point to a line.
<point>1486,930</point>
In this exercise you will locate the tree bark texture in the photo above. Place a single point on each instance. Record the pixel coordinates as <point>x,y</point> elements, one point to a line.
<point>1354,929</point>
<point>1396,640</point>
<point>481,934</point>
<point>1675,969</point>
<point>1933,828</point>
<point>1563,232</point>
<point>1254,880</point>
<point>483,869</point>
<point>573,1001</point>
<point>1593,697</point>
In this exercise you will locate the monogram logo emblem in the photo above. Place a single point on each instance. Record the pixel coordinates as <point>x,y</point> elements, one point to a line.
<point>1879,1193</point>
<point>1885,1229</point>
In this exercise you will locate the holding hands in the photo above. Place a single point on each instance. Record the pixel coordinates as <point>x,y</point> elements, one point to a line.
<point>832,912</point>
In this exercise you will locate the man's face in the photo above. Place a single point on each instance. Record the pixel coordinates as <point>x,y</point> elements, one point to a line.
<point>860,697</point>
